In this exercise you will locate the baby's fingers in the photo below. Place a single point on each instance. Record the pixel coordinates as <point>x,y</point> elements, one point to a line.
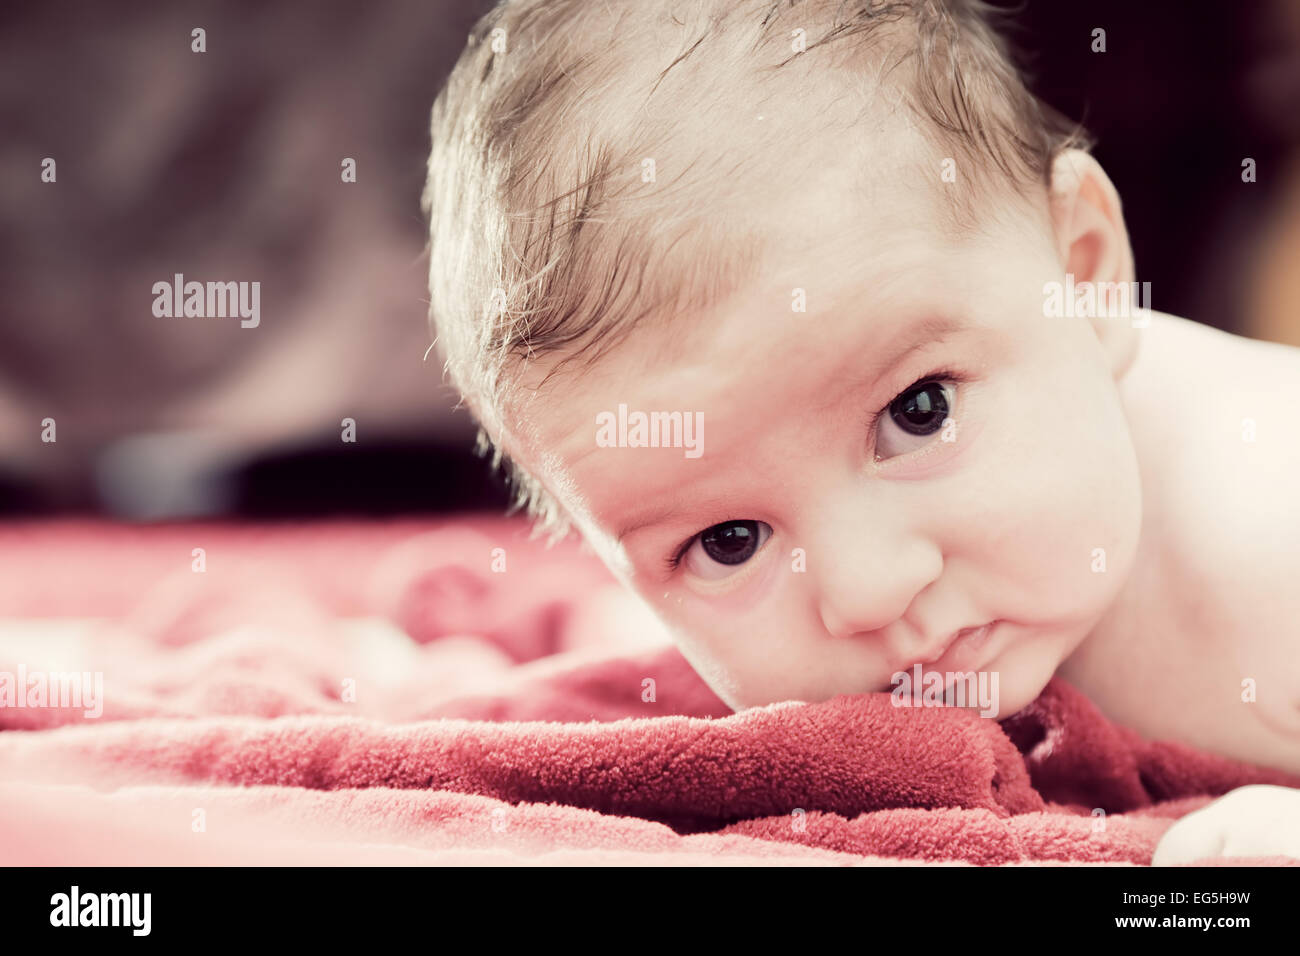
<point>1249,821</point>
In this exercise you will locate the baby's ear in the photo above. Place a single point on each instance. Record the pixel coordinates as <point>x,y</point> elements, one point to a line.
<point>1092,240</point>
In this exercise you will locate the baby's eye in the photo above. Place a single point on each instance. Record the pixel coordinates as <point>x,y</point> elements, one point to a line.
<point>913,417</point>
<point>716,550</point>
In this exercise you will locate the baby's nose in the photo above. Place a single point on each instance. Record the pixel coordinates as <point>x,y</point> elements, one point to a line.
<point>859,595</point>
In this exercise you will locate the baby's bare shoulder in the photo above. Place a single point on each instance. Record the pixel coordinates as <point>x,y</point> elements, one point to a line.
<point>1218,438</point>
<point>1208,624</point>
<point>1219,444</point>
<point>1240,461</point>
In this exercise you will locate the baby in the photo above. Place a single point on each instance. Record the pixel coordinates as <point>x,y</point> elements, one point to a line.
<point>819,327</point>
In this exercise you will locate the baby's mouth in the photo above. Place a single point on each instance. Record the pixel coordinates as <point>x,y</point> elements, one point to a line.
<point>960,651</point>
<point>968,644</point>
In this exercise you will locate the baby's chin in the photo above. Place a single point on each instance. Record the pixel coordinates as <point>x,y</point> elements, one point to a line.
<point>1023,671</point>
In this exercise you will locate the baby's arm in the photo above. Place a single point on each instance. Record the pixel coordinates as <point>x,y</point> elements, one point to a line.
<point>1250,821</point>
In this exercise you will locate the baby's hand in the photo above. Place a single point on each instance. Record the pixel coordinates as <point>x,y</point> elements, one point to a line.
<point>1250,821</point>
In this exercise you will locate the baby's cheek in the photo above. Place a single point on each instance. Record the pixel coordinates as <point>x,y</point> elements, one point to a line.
<point>1052,509</point>
<point>750,653</point>
<point>1075,549</point>
<point>1098,515</point>
<point>694,629</point>
<point>728,673</point>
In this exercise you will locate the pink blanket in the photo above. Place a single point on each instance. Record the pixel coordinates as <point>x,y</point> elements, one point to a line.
<point>245,720</point>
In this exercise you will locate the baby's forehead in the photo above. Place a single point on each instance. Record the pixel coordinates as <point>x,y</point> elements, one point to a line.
<point>794,334</point>
<point>809,256</point>
<point>813,253</point>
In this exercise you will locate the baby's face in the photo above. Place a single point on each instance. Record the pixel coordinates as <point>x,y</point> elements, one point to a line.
<point>918,453</point>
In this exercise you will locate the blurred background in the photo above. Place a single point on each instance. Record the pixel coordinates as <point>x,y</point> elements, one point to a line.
<point>225,165</point>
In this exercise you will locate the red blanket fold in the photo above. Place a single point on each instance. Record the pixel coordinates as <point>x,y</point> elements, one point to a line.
<point>469,755</point>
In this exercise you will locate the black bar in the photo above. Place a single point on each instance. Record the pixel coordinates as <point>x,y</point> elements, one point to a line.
<point>913,904</point>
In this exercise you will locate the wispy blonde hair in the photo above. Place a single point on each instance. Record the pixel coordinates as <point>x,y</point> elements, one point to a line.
<point>547,239</point>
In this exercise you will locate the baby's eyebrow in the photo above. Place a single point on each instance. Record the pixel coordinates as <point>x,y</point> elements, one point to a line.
<point>657,512</point>
<point>903,340</point>
<point>907,338</point>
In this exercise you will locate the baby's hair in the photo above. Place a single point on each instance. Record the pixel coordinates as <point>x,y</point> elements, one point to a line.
<point>552,236</point>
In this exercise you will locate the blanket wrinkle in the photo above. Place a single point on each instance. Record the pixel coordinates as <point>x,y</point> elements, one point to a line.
<point>502,718</point>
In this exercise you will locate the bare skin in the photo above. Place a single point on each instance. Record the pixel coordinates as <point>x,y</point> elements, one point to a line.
<point>1211,601</point>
